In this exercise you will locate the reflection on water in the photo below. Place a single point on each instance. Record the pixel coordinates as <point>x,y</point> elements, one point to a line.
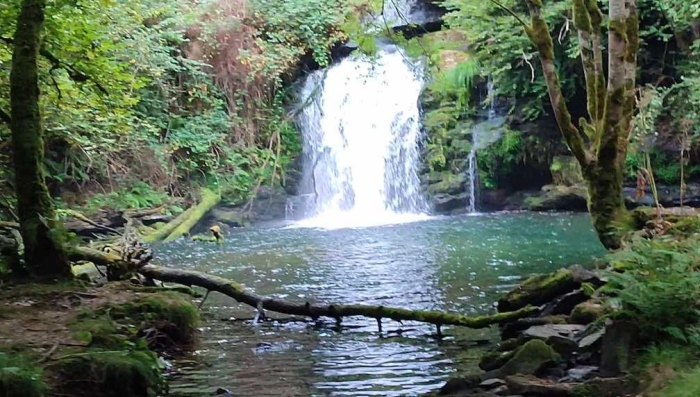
<point>456,264</point>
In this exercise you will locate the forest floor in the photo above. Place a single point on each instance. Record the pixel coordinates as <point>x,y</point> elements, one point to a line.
<point>41,317</point>
<point>80,339</point>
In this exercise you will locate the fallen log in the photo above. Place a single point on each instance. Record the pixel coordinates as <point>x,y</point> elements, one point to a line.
<point>209,200</point>
<point>337,312</point>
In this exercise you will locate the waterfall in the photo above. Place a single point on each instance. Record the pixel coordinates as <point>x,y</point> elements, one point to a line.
<point>483,134</point>
<point>361,130</point>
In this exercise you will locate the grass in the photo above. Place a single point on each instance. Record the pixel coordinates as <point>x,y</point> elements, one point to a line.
<point>19,377</point>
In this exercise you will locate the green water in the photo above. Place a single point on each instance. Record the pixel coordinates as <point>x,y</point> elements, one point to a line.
<point>458,264</point>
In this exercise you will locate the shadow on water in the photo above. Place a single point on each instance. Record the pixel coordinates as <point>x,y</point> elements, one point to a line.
<point>458,264</point>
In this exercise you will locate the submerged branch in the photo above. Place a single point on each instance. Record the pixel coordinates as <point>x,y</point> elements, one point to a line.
<point>259,302</point>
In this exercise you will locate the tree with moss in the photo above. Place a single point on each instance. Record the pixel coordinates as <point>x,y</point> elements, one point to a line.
<point>43,251</point>
<point>600,142</point>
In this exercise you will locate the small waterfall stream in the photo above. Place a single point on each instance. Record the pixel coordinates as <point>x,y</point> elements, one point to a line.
<point>483,134</point>
<point>361,131</point>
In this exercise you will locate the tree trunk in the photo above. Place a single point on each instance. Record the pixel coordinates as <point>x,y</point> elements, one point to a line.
<point>610,109</point>
<point>43,251</point>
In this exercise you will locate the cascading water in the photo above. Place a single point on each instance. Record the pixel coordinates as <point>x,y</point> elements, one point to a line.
<point>483,135</point>
<point>361,130</point>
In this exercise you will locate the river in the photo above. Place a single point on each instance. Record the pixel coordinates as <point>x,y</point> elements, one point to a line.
<point>458,264</point>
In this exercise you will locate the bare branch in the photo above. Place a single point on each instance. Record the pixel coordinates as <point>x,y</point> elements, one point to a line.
<point>539,34</point>
<point>75,74</point>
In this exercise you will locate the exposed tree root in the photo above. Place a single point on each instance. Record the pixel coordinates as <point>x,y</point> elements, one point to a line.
<point>250,298</point>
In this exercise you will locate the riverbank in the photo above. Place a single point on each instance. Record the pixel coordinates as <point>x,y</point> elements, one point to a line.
<point>80,339</point>
<point>628,327</point>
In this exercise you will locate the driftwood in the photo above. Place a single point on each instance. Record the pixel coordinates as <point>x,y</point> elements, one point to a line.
<point>337,312</point>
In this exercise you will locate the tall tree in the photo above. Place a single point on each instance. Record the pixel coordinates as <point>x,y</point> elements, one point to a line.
<point>43,251</point>
<point>599,143</point>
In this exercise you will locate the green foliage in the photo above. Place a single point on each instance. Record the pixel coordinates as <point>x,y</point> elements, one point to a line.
<point>140,195</point>
<point>499,44</point>
<point>19,377</point>
<point>659,289</point>
<point>685,385</point>
<point>111,374</point>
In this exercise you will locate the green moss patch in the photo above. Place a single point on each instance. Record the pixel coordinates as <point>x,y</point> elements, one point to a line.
<point>134,373</point>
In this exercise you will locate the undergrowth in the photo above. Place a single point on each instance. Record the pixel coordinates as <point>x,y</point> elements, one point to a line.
<point>19,377</point>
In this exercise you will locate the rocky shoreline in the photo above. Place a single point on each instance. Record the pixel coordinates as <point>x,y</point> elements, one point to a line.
<point>568,349</point>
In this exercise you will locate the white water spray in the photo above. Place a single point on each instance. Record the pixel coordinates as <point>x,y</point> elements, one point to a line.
<point>361,132</point>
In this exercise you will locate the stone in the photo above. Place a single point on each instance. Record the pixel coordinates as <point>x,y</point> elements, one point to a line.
<point>586,312</point>
<point>491,383</point>
<point>538,290</point>
<point>617,347</point>
<point>561,337</point>
<point>530,359</point>
<point>592,340</point>
<point>533,386</point>
<point>460,384</point>
<point>514,328</point>
<point>559,198</point>
<point>607,387</point>
<point>495,360</point>
<point>566,171</point>
<point>565,304</point>
<point>578,374</point>
<point>508,345</point>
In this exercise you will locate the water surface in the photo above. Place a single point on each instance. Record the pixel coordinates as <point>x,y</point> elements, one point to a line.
<point>458,264</point>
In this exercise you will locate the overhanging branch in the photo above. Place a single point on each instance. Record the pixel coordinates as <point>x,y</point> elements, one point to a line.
<point>75,74</point>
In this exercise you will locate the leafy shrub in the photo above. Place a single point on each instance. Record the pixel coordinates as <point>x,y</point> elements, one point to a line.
<point>659,288</point>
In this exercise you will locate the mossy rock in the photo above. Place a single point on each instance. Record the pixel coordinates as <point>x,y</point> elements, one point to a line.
<point>136,373</point>
<point>586,313</point>
<point>169,313</point>
<point>566,171</point>
<point>538,290</point>
<point>530,359</point>
<point>495,360</point>
<point>19,377</point>
<point>450,184</point>
<point>164,319</point>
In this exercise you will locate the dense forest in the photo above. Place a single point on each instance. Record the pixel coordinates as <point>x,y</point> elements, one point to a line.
<point>126,126</point>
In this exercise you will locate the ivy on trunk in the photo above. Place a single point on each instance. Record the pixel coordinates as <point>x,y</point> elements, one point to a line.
<point>43,251</point>
<point>599,143</point>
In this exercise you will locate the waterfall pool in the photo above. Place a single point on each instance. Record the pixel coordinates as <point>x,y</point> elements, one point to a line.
<point>458,264</point>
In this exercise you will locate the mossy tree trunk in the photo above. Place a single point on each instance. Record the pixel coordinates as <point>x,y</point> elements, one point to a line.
<point>43,252</point>
<point>599,143</point>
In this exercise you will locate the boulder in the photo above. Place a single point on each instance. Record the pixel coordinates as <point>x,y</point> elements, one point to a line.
<point>538,290</point>
<point>617,348</point>
<point>514,328</point>
<point>608,387</point>
<point>565,304</point>
<point>559,198</point>
<point>446,203</point>
<point>460,384</point>
<point>586,312</point>
<point>495,360</point>
<point>566,171</point>
<point>561,337</point>
<point>530,359</point>
<point>533,386</point>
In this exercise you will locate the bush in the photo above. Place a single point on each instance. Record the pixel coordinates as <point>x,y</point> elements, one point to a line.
<point>659,289</point>
<point>19,377</point>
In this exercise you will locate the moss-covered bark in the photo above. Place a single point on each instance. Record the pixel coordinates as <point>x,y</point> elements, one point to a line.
<point>43,250</point>
<point>610,108</point>
<point>209,200</point>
